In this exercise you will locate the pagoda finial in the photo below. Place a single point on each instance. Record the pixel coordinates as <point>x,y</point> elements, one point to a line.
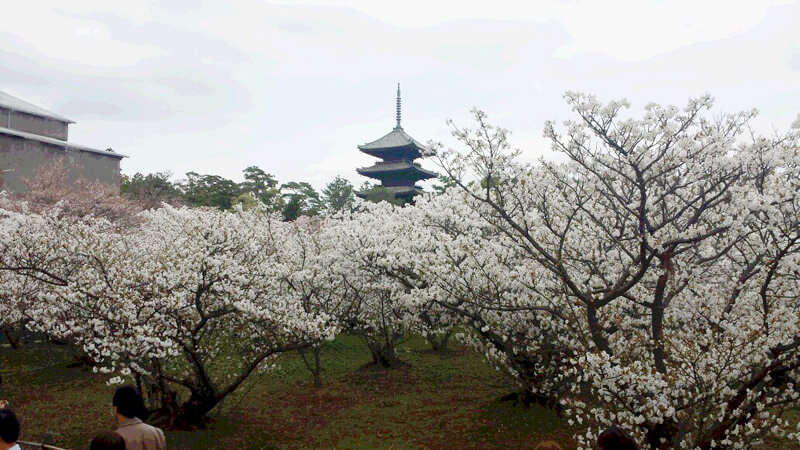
<point>398,106</point>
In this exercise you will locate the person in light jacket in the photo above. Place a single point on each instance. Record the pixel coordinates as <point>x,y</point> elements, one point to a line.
<point>128,404</point>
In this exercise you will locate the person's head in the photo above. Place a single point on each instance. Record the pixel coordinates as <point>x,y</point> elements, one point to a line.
<point>614,438</point>
<point>107,440</point>
<point>547,445</point>
<point>127,402</point>
<point>9,426</point>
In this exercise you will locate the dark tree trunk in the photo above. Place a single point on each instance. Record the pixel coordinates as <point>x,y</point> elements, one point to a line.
<point>204,393</point>
<point>13,340</point>
<point>439,342</point>
<point>316,367</point>
<point>383,354</point>
<point>194,412</point>
<point>189,415</point>
<point>666,431</point>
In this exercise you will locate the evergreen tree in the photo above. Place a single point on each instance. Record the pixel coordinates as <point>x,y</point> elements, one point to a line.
<point>338,194</point>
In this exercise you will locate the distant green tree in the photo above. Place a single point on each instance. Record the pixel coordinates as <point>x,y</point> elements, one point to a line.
<point>263,185</point>
<point>338,195</point>
<point>377,194</point>
<point>299,199</point>
<point>150,189</point>
<point>443,183</point>
<point>208,190</point>
<point>247,200</point>
<point>367,185</point>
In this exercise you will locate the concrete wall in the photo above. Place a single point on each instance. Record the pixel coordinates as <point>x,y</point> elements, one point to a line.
<point>23,156</point>
<point>33,124</point>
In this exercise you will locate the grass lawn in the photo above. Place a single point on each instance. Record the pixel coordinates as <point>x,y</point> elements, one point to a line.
<point>431,402</point>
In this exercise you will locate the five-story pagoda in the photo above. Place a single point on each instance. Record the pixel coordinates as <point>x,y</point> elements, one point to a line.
<point>398,172</point>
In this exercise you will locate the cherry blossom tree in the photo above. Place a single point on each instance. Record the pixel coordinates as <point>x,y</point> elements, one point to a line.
<point>471,274</point>
<point>653,275</point>
<point>190,303</point>
<point>13,296</point>
<point>315,279</point>
<point>51,184</point>
<point>366,244</point>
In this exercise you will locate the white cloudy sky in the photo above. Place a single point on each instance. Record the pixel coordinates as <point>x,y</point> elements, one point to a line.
<point>294,87</point>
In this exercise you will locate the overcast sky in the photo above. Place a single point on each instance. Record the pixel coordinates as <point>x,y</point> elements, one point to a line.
<point>294,87</point>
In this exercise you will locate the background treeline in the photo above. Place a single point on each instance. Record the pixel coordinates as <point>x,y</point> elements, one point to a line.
<point>292,199</point>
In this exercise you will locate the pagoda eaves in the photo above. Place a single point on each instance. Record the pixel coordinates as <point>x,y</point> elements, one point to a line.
<point>395,145</point>
<point>397,169</point>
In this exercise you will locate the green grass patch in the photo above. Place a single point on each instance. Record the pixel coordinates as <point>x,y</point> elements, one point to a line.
<point>430,401</point>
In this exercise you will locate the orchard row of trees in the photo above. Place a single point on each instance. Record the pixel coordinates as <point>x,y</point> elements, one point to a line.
<point>650,281</point>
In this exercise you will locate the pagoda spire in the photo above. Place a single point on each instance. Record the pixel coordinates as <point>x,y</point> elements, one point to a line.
<point>398,107</point>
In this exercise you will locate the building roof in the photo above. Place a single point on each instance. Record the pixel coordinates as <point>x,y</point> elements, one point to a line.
<point>15,104</point>
<point>397,138</point>
<point>58,142</point>
<point>396,167</point>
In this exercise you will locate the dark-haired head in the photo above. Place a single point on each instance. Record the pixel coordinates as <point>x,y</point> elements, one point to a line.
<point>614,438</point>
<point>107,440</point>
<point>9,426</point>
<point>129,402</point>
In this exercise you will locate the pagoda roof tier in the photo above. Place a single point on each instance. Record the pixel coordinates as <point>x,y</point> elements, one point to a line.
<point>397,144</point>
<point>398,191</point>
<point>394,169</point>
